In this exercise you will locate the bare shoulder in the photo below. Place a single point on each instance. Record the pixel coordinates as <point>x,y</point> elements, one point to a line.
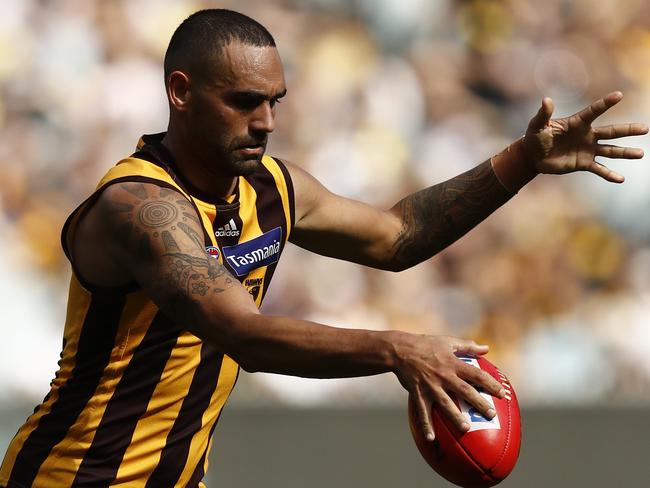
<point>147,205</point>
<point>151,236</point>
<point>121,225</point>
<point>300,175</point>
<point>308,191</point>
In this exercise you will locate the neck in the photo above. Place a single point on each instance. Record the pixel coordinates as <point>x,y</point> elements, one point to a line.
<point>194,169</point>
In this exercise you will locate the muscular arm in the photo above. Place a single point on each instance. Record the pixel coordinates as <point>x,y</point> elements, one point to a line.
<point>437,216</point>
<point>413,230</point>
<point>153,236</point>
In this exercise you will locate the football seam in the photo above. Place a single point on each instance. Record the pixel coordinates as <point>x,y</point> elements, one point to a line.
<point>490,470</point>
<point>487,472</point>
<point>508,435</point>
<point>478,465</point>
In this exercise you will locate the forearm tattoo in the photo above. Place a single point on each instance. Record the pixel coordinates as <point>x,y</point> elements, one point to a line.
<point>151,220</point>
<point>437,216</point>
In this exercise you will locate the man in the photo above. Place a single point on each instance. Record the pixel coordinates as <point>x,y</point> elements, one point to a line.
<point>173,253</point>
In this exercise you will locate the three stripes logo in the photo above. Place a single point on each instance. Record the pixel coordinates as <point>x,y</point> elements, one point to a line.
<point>228,230</point>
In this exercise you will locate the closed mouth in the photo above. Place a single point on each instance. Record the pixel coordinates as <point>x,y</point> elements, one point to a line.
<point>254,149</point>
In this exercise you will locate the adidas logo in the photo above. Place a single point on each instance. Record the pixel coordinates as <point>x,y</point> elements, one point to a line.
<point>228,230</point>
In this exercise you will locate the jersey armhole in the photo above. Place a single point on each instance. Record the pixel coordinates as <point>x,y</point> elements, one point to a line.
<point>290,193</point>
<point>70,227</point>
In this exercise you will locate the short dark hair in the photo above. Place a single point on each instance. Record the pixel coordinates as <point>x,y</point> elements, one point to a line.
<point>202,36</point>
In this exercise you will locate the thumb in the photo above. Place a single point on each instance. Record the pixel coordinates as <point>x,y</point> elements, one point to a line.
<point>471,347</point>
<point>542,117</point>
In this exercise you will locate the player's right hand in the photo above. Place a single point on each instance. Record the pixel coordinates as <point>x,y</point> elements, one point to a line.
<point>428,368</point>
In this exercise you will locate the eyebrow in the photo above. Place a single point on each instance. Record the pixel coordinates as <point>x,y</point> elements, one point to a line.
<point>260,94</point>
<point>281,94</point>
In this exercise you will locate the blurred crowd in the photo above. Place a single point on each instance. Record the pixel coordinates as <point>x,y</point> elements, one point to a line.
<point>384,97</point>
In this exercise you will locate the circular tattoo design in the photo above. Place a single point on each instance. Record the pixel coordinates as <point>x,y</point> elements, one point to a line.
<point>157,214</point>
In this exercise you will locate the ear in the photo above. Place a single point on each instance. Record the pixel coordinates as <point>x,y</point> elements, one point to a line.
<point>178,90</point>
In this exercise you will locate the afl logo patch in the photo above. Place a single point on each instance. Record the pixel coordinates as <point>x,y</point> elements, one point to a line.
<point>213,251</point>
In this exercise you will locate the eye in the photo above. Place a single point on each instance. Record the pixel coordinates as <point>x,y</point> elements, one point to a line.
<point>245,102</point>
<point>274,101</point>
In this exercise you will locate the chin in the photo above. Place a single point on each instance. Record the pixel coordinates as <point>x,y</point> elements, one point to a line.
<point>245,167</point>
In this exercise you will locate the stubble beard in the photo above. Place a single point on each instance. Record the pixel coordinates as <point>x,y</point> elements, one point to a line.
<point>238,164</point>
<point>230,164</point>
<point>244,167</point>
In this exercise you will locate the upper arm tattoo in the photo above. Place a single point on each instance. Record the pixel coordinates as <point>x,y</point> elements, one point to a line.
<point>169,242</point>
<point>191,233</point>
<point>157,213</point>
<point>137,191</point>
<point>193,218</point>
<point>121,207</point>
<point>435,217</point>
<point>151,227</point>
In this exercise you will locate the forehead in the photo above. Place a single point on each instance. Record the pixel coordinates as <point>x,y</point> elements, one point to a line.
<point>243,66</point>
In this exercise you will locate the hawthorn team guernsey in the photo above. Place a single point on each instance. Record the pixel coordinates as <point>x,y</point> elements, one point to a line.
<point>136,398</point>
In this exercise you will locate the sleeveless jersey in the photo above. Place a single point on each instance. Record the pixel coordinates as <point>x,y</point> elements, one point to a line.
<point>136,398</point>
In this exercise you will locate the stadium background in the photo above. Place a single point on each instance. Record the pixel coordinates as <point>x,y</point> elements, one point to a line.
<point>384,97</point>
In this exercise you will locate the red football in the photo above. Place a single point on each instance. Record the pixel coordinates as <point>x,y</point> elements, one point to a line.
<point>482,456</point>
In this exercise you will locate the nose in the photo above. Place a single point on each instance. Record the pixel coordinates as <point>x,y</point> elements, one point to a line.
<point>263,119</point>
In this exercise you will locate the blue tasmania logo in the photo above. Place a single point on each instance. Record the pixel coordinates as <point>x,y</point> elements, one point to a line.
<point>258,252</point>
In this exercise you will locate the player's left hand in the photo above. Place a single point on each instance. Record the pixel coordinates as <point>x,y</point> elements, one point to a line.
<point>570,144</point>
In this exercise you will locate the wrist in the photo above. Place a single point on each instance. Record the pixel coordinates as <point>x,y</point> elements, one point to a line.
<point>512,167</point>
<point>401,346</point>
<point>392,346</point>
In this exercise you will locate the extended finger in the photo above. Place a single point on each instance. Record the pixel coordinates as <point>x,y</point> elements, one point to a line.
<point>620,130</point>
<point>471,395</point>
<point>599,107</point>
<point>605,173</point>
<point>481,378</point>
<point>618,152</point>
<point>424,416</point>
<point>450,410</point>
<point>467,346</point>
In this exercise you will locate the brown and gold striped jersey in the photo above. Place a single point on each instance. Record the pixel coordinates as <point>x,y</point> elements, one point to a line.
<point>136,397</point>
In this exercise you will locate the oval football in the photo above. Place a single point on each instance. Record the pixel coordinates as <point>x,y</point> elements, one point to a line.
<point>488,452</point>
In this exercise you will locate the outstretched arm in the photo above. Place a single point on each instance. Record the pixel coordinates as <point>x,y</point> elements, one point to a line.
<point>424,223</point>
